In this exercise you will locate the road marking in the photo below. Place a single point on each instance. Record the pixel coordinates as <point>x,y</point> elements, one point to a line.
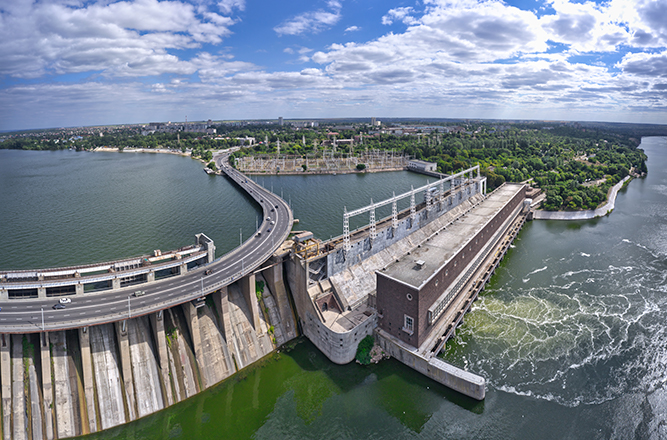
<point>89,300</point>
<point>66,315</point>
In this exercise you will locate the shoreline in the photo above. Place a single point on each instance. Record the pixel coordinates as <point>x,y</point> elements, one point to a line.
<point>603,210</point>
<point>141,150</point>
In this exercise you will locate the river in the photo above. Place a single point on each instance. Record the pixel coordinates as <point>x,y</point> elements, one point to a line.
<point>570,334</point>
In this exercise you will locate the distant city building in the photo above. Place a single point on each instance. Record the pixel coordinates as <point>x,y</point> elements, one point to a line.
<point>280,121</point>
<point>305,124</point>
<point>168,127</point>
<point>420,165</point>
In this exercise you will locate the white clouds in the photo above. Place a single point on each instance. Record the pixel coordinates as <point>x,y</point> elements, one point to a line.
<point>473,58</point>
<point>645,65</point>
<point>227,6</point>
<point>584,27</point>
<point>311,22</point>
<point>399,14</point>
<point>117,38</point>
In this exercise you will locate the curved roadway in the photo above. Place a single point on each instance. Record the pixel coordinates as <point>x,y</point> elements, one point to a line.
<point>25,316</point>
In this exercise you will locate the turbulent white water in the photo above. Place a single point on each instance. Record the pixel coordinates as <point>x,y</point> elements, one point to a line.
<point>579,314</point>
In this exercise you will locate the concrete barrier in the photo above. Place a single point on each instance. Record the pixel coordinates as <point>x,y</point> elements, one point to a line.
<point>464,382</point>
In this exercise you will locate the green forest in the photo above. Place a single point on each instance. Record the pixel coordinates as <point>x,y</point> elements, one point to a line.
<point>574,165</point>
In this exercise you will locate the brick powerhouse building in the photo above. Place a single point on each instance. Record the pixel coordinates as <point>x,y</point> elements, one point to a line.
<point>414,291</point>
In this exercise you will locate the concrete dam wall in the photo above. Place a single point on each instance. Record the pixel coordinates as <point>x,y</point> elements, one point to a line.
<point>68,383</point>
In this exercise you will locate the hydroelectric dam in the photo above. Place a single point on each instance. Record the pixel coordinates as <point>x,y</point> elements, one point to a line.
<point>140,334</point>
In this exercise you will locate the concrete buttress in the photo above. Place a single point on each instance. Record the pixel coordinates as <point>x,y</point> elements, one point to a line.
<point>126,366</point>
<point>157,324</point>
<point>192,319</point>
<point>88,385</point>
<point>248,288</point>
<point>221,300</point>
<point>20,430</point>
<point>274,279</point>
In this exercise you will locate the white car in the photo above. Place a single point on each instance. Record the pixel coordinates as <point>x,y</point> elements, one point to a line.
<point>65,300</point>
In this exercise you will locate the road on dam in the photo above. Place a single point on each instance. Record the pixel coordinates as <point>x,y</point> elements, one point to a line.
<point>36,314</point>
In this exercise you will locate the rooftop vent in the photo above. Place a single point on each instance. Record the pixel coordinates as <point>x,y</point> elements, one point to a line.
<point>420,264</point>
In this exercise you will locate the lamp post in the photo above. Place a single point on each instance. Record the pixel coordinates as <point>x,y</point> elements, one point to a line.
<point>129,310</point>
<point>42,318</point>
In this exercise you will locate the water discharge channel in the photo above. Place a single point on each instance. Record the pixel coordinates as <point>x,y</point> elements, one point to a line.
<point>570,334</point>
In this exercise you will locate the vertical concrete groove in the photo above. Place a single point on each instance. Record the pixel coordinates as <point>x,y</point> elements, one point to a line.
<point>6,384</point>
<point>147,386</point>
<point>106,372</point>
<point>63,403</point>
<point>47,387</point>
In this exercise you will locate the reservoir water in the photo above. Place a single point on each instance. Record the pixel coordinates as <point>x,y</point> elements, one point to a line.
<point>571,333</point>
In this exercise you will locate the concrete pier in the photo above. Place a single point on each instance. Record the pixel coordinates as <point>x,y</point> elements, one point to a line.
<point>157,324</point>
<point>20,419</point>
<point>221,301</point>
<point>88,385</point>
<point>126,365</point>
<point>192,319</point>
<point>182,363</point>
<point>464,382</point>
<point>249,293</point>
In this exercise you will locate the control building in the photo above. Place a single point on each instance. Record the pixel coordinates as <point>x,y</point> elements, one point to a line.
<point>415,291</point>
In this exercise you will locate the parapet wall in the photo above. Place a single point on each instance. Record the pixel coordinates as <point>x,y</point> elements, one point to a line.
<point>450,376</point>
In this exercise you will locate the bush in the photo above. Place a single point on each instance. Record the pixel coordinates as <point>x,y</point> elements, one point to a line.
<point>364,350</point>
<point>361,166</point>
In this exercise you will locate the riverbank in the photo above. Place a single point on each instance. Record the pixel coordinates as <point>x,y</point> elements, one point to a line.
<point>143,150</point>
<point>584,215</point>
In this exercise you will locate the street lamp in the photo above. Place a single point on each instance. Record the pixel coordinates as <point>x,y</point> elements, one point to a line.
<point>129,310</point>
<point>42,318</point>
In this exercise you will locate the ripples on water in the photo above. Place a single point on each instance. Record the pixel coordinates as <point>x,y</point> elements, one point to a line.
<point>578,315</point>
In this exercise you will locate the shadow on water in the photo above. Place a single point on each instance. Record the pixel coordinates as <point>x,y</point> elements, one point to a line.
<point>299,387</point>
<point>401,391</point>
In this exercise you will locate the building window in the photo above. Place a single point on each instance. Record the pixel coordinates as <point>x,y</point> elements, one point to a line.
<point>409,297</point>
<point>408,324</point>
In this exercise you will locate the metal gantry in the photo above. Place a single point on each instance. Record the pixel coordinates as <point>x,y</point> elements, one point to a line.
<point>456,181</point>
<point>372,222</point>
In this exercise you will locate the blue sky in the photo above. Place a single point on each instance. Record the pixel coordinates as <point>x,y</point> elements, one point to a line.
<point>72,62</point>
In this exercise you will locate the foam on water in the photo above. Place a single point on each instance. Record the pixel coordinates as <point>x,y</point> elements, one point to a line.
<point>587,336</point>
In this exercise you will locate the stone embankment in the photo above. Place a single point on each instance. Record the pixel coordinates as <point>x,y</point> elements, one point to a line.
<point>584,215</point>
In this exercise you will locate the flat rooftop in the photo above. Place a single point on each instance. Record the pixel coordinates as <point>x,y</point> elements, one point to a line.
<point>422,262</point>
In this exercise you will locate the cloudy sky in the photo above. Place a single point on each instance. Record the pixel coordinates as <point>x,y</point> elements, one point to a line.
<point>73,62</point>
